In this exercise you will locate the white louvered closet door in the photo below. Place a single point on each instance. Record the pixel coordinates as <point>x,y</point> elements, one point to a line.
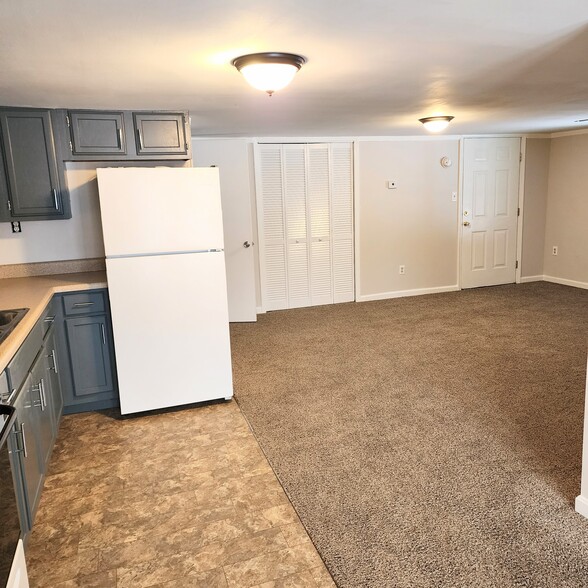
<point>271,229</point>
<point>309,259</point>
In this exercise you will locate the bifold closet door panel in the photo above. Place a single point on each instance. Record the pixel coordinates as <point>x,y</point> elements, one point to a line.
<point>271,219</point>
<point>319,215</point>
<point>305,216</point>
<point>295,202</point>
<point>342,221</point>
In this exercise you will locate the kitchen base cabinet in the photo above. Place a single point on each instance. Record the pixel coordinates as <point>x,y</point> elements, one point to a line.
<point>66,364</point>
<point>38,414</point>
<point>88,376</point>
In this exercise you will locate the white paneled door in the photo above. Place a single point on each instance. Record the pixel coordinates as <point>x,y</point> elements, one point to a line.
<point>305,216</point>
<point>231,156</point>
<point>489,211</point>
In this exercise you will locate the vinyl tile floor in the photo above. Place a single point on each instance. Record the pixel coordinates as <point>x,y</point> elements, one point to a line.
<point>171,499</point>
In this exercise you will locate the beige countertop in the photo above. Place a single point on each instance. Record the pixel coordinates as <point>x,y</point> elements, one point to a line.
<point>35,293</point>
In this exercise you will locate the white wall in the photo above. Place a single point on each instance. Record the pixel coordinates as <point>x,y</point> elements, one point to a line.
<point>567,211</point>
<point>79,237</point>
<point>535,207</point>
<point>414,225</point>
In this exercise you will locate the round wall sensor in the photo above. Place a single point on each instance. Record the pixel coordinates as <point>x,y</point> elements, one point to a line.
<point>445,162</point>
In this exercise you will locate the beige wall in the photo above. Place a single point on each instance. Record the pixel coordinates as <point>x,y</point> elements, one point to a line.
<point>567,210</point>
<point>535,206</point>
<point>414,225</point>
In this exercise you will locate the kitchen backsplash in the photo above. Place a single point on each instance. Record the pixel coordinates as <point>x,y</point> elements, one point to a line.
<point>70,266</point>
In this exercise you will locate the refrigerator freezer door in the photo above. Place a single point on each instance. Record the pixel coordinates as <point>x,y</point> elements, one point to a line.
<point>160,210</point>
<point>171,329</point>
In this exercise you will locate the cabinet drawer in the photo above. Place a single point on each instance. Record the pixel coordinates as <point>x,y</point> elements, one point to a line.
<point>84,303</point>
<point>23,360</point>
<point>48,317</point>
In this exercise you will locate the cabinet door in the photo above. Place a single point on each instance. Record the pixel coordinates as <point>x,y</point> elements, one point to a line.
<point>31,164</point>
<point>53,384</point>
<point>90,355</point>
<point>97,133</point>
<point>41,403</point>
<point>27,423</point>
<point>160,133</point>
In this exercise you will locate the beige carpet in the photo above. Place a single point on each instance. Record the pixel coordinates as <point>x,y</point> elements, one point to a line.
<point>432,441</point>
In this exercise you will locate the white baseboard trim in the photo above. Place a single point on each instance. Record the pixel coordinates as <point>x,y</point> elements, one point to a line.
<point>566,282</point>
<point>259,310</point>
<point>403,293</point>
<point>582,505</point>
<point>526,279</point>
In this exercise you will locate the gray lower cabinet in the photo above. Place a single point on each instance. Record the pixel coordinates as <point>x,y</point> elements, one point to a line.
<point>24,445</point>
<point>30,187</point>
<point>66,364</point>
<point>87,371</point>
<point>53,384</point>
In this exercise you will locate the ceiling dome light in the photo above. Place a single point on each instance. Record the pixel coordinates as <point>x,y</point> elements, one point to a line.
<point>269,71</point>
<point>434,124</point>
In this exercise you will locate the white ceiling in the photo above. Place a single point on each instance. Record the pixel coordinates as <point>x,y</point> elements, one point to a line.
<point>374,66</point>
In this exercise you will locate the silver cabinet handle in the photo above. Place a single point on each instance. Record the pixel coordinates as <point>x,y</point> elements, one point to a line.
<point>103,334</point>
<point>119,136</point>
<point>140,134</point>
<point>43,397</point>
<point>49,319</point>
<point>81,304</point>
<point>55,202</point>
<point>54,358</point>
<point>24,440</point>
<point>37,403</point>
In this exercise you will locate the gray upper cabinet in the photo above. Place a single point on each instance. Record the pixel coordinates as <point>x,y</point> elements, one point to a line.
<point>160,133</point>
<point>124,135</point>
<point>30,184</point>
<point>97,133</point>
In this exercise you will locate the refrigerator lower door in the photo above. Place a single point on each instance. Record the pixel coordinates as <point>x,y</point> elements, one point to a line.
<point>171,329</point>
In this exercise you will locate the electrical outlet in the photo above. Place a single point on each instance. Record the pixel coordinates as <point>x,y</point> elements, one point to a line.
<point>453,196</point>
<point>401,269</point>
<point>554,250</point>
<point>16,228</point>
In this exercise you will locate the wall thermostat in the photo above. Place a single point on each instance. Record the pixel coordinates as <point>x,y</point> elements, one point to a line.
<point>446,162</point>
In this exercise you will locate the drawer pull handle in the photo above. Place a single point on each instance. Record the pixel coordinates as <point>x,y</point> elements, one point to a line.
<point>24,441</point>
<point>103,334</point>
<point>82,304</point>
<point>42,394</point>
<point>54,358</point>
<point>49,319</point>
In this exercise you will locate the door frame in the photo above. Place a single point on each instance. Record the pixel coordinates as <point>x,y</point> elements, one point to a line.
<point>521,195</point>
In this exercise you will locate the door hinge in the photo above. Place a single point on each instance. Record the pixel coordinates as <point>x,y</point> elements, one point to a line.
<point>67,120</point>
<point>520,157</point>
<point>518,212</point>
<point>9,204</point>
<point>517,264</point>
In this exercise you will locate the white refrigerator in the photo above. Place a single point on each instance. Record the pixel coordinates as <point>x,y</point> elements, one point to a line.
<point>165,265</point>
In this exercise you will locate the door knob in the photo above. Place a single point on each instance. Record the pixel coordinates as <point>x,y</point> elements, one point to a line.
<point>247,244</point>
<point>466,224</point>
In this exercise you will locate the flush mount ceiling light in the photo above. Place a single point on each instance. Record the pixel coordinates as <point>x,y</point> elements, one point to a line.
<point>434,124</point>
<point>269,71</point>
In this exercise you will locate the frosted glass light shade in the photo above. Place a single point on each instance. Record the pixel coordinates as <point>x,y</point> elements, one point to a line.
<point>269,71</point>
<point>435,124</point>
<point>269,77</point>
